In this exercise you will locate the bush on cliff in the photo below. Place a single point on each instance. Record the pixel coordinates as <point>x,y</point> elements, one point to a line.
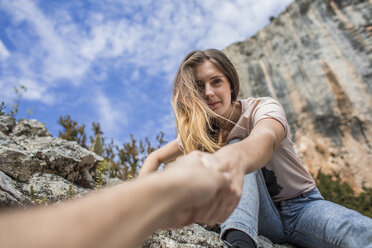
<point>131,155</point>
<point>333,189</point>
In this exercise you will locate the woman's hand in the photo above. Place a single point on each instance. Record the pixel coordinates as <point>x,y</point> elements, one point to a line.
<point>165,154</point>
<point>240,158</point>
<point>197,189</point>
<point>229,197</point>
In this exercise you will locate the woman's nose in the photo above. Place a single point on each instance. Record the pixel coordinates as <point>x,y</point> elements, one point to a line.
<point>208,91</point>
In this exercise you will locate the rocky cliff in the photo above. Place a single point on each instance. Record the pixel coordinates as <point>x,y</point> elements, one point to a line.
<point>35,167</point>
<point>316,59</point>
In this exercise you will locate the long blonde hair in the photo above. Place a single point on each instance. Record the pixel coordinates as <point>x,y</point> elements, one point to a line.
<point>196,122</point>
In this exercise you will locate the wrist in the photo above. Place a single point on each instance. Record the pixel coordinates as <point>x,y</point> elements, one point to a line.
<point>163,193</point>
<point>235,160</point>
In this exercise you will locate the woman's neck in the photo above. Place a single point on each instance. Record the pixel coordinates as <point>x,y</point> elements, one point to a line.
<point>233,117</point>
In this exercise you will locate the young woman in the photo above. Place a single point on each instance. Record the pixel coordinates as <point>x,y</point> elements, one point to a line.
<point>250,139</point>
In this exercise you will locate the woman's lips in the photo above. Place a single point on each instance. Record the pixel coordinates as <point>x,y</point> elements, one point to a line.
<point>213,105</point>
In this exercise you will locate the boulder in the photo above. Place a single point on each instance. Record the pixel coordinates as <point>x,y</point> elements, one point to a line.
<point>51,188</point>
<point>28,148</point>
<point>10,194</point>
<point>7,123</point>
<point>30,128</point>
<point>196,236</point>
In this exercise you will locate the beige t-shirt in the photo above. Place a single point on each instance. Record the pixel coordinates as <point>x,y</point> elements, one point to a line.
<point>284,173</point>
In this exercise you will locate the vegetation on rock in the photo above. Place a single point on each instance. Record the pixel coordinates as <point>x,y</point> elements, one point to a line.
<point>122,162</point>
<point>333,189</point>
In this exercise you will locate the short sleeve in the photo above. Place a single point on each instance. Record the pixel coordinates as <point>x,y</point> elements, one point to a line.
<point>270,108</point>
<point>179,142</point>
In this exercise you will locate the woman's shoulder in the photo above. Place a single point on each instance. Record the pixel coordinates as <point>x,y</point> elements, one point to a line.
<point>251,103</point>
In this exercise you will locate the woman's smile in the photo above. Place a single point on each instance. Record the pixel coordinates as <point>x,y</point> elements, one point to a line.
<point>213,105</point>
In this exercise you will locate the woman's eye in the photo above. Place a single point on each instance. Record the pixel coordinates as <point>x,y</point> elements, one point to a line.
<point>216,81</point>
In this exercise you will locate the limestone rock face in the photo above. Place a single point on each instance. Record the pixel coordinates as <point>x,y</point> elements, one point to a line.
<point>10,194</point>
<point>51,188</point>
<point>30,149</point>
<point>36,168</point>
<point>30,128</point>
<point>316,59</point>
<point>41,188</point>
<point>7,123</point>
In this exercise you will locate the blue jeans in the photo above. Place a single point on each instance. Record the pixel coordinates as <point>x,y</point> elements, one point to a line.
<point>307,220</point>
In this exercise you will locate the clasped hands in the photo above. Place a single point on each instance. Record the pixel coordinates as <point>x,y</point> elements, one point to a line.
<point>211,189</point>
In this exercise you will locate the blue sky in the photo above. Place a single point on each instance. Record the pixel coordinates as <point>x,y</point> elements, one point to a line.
<point>113,61</point>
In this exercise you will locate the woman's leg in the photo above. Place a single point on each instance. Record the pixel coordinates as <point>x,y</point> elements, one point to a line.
<point>245,216</point>
<point>255,213</point>
<point>315,222</point>
<point>270,223</point>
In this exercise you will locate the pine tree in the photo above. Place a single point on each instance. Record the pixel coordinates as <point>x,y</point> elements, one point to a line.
<point>72,131</point>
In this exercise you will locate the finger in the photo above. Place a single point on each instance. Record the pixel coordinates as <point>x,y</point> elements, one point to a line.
<point>214,215</point>
<point>200,213</point>
<point>205,212</point>
<point>210,217</point>
<point>223,205</point>
<point>232,202</point>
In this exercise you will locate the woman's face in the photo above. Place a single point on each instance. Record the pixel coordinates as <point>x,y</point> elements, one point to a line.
<point>215,87</point>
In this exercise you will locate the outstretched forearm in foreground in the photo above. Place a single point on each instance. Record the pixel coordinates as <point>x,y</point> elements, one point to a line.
<point>121,216</point>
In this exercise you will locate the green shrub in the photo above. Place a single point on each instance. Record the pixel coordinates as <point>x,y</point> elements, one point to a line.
<point>101,170</point>
<point>72,131</point>
<point>131,155</point>
<point>333,189</point>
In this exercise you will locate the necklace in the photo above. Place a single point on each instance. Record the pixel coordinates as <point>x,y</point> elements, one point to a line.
<point>229,119</point>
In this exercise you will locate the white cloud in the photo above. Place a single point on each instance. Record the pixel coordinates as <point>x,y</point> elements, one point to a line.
<point>117,35</point>
<point>37,91</point>
<point>60,60</point>
<point>112,117</point>
<point>4,53</point>
<point>168,125</point>
<point>157,39</point>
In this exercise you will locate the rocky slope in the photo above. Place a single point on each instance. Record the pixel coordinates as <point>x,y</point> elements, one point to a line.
<point>316,59</point>
<point>36,168</point>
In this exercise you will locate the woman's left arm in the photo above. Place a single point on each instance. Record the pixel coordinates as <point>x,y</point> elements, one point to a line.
<point>243,157</point>
<point>255,151</point>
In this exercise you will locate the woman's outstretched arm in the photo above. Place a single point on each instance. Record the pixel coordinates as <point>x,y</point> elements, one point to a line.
<point>255,151</point>
<point>121,216</point>
<point>240,158</point>
<point>165,154</point>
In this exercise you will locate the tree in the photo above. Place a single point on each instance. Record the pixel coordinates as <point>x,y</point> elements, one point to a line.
<point>72,131</point>
<point>130,156</point>
<point>333,189</point>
